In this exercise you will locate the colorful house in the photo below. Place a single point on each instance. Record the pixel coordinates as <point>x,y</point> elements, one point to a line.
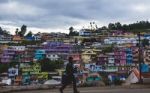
<point>111,59</point>
<point>37,37</point>
<point>2,47</point>
<point>32,72</point>
<point>110,69</point>
<point>77,48</point>
<point>19,53</point>
<point>40,54</point>
<point>52,56</point>
<point>129,58</point>
<point>87,55</point>
<point>17,38</point>
<point>7,55</point>
<point>85,32</point>
<point>18,48</point>
<point>27,57</point>
<point>58,47</point>
<point>30,49</point>
<point>46,36</point>
<point>135,52</point>
<point>29,38</point>
<point>5,39</point>
<point>102,59</point>
<point>120,56</point>
<point>147,55</point>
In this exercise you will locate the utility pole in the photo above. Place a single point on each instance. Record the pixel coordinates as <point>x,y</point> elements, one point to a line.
<point>140,53</point>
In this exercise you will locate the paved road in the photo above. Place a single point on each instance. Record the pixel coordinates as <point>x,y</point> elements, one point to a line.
<point>92,90</point>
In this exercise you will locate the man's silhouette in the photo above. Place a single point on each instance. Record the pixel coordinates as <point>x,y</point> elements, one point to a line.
<point>69,77</point>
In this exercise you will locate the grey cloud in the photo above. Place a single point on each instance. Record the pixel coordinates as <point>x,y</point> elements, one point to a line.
<point>55,14</point>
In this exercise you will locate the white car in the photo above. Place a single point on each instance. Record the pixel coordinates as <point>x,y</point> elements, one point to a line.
<point>56,80</point>
<point>52,82</point>
<point>5,82</point>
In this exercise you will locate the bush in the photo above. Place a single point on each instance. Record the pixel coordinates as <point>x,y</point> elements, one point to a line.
<point>117,81</point>
<point>4,67</point>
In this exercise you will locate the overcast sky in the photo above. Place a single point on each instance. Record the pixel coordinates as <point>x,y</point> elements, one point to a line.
<point>59,15</point>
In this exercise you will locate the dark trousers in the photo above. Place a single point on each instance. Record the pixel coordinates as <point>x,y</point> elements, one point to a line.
<point>69,81</point>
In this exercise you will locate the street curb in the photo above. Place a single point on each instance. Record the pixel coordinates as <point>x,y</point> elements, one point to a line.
<point>25,88</point>
<point>47,87</point>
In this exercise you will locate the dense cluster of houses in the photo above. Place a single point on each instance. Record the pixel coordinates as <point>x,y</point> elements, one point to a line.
<point>89,55</point>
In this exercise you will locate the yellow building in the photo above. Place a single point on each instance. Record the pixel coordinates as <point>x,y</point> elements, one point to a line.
<point>35,70</point>
<point>17,38</point>
<point>88,54</point>
<point>2,47</point>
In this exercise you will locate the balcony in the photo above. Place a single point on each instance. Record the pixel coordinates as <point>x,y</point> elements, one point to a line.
<point>6,57</point>
<point>5,61</point>
<point>123,57</point>
<point>9,53</point>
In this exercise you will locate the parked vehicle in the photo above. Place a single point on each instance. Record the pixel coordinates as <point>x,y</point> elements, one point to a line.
<point>56,80</point>
<point>4,80</point>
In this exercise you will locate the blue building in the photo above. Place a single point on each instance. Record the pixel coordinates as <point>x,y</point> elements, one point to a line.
<point>129,56</point>
<point>40,54</point>
<point>29,38</point>
<point>85,32</point>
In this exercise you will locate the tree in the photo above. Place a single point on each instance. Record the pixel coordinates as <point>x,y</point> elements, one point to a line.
<point>71,31</point>
<point>139,25</point>
<point>49,65</point>
<point>26,42</point>
<point>17,30</point>
<point>4,67</point>
<point>108,49</point>
<point>1,30</point>
<point>23,30</point>
<point>4,32</point>
<point>29,34</point>
<point>104,28</point>
<point>111,26</point>
<point>118,26</point>
<point>125,27</point>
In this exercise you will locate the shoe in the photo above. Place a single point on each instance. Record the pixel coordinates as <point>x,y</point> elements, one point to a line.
<point>61,91</point>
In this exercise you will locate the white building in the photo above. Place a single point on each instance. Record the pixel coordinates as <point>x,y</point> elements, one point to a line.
<point>120,40</point>
<point>111,59</point>
<point>5,39</point>
<point>18,48</point>
<point>52,56</point>
<point>85,32</point>
<point>37,37</point>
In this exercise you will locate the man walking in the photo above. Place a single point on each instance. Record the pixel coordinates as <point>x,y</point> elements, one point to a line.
<point>69,77</point>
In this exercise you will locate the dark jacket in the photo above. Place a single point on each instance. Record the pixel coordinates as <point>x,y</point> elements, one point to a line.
<point>69,69</point>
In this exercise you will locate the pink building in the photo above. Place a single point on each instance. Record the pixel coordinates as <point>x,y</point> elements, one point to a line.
<point>120,56</point>
<point>7,55</point>
<point>102,59</point>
